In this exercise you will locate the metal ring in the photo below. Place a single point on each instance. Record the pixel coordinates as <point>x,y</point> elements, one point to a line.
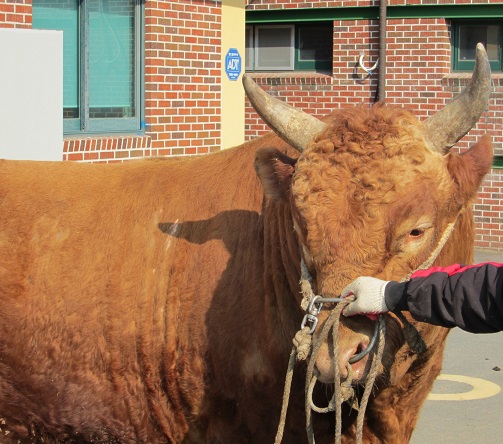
<point>365,352</point>
<point>315,306</point>
<point>369,71</point>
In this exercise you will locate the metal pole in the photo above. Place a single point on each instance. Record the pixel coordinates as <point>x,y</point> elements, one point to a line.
<point>382,50</point>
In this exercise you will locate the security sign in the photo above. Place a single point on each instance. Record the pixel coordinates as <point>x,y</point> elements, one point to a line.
<point>233,64</point>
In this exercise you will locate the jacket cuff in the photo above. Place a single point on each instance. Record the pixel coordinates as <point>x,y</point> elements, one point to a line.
<point>395,295</point>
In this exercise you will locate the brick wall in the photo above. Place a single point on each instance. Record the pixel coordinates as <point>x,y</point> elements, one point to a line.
<point>418,76</point>
<point>107,148</point>
<point>15,14</point>
<point>182,76</point>
<point>489,212</point>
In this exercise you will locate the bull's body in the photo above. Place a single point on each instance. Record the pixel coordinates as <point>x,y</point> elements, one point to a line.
<point>155,301</point>
<point>121,286</point>
<point>136,304</point>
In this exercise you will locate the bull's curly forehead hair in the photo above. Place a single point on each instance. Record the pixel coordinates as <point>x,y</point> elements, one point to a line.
<point>379,131</point>
<point>366,153</point>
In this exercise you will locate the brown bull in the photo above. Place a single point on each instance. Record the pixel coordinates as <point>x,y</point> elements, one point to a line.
<point>155,301</point>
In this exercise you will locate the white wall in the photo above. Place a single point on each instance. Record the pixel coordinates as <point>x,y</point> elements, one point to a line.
<point>31,94</point>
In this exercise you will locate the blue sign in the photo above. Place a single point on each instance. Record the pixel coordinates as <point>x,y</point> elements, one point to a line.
<point>233,64</point>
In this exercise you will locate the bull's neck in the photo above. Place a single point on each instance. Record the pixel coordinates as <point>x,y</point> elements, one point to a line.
<point>281,267</point>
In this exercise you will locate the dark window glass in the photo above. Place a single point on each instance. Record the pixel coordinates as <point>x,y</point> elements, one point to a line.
<point>315,43</point>
<point>466,35</point>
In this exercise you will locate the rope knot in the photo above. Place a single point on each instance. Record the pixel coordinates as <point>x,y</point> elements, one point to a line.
<point>302,342</point>
<point>347,391</point>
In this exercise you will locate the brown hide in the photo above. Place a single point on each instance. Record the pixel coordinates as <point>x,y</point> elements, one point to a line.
<point>107,293</point>
<point>155,301</point>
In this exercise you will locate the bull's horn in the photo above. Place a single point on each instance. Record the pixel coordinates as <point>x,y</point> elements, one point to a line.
<point>294,126</point>
<point>453,121</point>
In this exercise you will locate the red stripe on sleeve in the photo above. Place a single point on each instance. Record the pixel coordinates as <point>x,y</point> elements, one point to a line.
<point>451,269</point>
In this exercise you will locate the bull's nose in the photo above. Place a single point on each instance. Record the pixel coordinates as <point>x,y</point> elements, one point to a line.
<point>358,367</point>
<point>325,360</point>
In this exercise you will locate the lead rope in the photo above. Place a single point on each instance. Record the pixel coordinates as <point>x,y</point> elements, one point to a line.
<point>303,344</point>
<point>343,391</point>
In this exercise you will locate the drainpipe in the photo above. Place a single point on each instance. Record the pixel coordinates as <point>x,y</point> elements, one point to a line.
<point>382,50</point>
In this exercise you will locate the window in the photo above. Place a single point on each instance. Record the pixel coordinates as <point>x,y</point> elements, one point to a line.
<point>289,47</point>
<point>101,61</point>
<point>467,34</point>
<point>275,47</point>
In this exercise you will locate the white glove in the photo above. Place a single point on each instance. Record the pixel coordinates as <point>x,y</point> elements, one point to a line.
<point>369,293</point>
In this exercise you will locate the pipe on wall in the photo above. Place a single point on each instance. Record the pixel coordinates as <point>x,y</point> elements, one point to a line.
<point>382,49</point>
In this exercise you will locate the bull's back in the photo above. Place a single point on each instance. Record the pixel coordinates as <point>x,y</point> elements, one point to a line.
<point>68,219</point>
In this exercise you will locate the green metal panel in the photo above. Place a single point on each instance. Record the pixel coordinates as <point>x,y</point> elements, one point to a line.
<point>310,15</point>
<point>472,11</point>
<point>498,162</point>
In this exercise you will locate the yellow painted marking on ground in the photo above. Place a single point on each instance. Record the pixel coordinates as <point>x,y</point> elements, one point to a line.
<point>481,389</point>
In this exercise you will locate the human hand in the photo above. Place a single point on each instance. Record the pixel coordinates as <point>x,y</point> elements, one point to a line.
<point>369,294</point>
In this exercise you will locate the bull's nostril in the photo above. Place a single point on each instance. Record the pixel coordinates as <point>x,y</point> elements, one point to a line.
<point>367,347</point>
<point>360,352</point>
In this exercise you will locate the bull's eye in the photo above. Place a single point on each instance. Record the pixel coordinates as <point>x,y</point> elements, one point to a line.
<point>417,232</point>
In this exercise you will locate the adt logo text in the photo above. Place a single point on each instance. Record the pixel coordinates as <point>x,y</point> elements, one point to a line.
<point>233,64</point>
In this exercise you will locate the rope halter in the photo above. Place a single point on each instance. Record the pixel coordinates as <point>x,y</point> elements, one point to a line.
<point>305,347</point>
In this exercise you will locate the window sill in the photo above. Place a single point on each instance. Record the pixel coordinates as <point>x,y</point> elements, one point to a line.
<point>291,78</point>
<point>462,79</point>
<point>104,135</point>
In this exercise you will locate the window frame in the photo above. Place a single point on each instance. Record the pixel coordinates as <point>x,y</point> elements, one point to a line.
<point>84,124</point>
<point>249,49</point>
<point>298,64</point>
<point>469,65</point>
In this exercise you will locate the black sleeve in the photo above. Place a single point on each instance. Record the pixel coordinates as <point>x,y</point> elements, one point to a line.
<point>469,297</point>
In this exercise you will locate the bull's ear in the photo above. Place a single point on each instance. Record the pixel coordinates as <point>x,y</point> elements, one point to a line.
<point>275,171</point>
<point>469,168</point>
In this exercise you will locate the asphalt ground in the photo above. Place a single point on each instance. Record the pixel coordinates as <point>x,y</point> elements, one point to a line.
<point>466,402</point>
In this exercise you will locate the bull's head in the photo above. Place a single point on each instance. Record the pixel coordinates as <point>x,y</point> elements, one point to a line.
<point>372,191</point>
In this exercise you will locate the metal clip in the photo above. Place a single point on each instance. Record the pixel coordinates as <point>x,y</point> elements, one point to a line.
<point>313,322</point>
<point>311,316</point>
<point>315,307</point>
